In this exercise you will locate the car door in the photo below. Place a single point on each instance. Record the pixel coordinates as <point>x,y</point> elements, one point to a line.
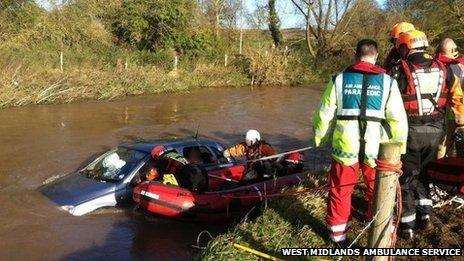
<point>125,187</point>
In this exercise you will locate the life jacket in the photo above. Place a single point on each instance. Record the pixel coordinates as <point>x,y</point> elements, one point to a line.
<point>255,151</point>
<point>426,93</point>
<point>456,65</point>
<point>294,158</point>
<point>174,162</point>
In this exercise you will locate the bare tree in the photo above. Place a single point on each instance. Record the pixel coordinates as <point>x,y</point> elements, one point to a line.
<point>327,22</point>
<point>457,9</point>
<point>259,16</point>
<point>221,12</point>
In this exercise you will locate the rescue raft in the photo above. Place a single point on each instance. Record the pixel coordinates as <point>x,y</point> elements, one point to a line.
<point>448,173</point>
<point>178,203</point>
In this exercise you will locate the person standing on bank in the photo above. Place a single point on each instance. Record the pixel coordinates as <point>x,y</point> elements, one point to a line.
<point>447,53</point>
<point>394,57</point>
<point>427,86</point>
<point>364,106</point>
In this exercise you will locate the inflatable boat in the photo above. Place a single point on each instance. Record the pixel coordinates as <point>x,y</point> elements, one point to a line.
<point>178,203</point>
<point>448,173</point>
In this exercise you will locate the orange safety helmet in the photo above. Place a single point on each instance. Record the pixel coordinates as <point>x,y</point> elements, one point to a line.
<point>400,28</point>
<point>414,39</point>
<point>158,151</point>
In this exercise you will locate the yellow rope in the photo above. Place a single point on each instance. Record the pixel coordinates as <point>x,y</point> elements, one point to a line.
<point>255,252</point>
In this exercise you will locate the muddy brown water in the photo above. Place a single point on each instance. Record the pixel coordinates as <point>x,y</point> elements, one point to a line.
<point>39,142</point>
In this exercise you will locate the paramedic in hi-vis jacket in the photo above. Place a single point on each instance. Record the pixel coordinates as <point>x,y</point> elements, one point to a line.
<point>362,106</point>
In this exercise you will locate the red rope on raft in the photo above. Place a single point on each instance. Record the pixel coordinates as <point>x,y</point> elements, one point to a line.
<point>292,193</point>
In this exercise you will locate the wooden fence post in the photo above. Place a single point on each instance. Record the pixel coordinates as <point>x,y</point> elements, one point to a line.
<point>61,61</point>
<point>176,61</point>
<point>384,199</point>
<point>225,60</point>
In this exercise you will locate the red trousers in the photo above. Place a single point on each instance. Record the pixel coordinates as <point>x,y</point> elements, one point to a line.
<point>342,180</point>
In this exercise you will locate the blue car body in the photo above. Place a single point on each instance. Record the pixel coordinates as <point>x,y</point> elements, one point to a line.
<point>80,194</point>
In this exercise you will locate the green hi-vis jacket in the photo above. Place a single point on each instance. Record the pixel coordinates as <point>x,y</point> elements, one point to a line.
<point>338,116</point>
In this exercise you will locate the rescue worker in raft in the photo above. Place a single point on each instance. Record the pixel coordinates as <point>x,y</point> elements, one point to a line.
<point>363,107</point>
<point>447,53</point>
<point>172,168</point>
<point>427,87</point>
<point>254,148</point>
<point>394,57</point>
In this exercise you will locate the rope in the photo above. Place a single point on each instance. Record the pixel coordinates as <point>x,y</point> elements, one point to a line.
<point>399,210</point>
<point>199,237</point>
<point>280,154</point>
<point>292,193</point>
<point>383,165</point>
<point>255,252</point>
<point>368,225</point>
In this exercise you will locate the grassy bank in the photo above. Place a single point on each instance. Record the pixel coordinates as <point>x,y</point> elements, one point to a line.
<point>22,86</point>
<point>112,49</point>
<point>284,222</point>
<point>24,83</point>
<point>299,222</point>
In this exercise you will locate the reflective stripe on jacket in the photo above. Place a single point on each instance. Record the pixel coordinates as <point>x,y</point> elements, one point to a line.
<point>426,90</point>
<point>454,97</point>
<point>342,98</point>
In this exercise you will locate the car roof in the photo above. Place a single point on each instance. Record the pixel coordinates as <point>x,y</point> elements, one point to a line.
<point>147,146</point>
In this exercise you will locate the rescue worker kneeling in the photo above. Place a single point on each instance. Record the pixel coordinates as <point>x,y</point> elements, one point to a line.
<point>254,148</point>
<point>174,169</point>
<point>363,105</point>
<point>427,87</point>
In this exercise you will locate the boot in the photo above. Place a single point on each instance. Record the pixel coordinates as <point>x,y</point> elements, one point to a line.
<point>407,234</point>
<point>425,222</point>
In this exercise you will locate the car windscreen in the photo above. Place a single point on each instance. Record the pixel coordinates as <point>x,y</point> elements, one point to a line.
<point>114,165</point>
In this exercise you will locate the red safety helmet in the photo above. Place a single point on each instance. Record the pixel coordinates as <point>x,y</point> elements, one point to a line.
<point>414,39</point>
<point>158,151</point>
<point>400,28</point>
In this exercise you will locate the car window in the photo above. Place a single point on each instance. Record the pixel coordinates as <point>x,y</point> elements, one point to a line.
<point>219,155</point>
<point>141,174</point>
<point>199,154</point>
<point>114,165</point>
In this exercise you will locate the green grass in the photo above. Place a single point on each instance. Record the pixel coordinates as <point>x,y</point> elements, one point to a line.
<point>35,78</point>
<point>296,221</point>
<point>22,86</point>
<point>284,222</point>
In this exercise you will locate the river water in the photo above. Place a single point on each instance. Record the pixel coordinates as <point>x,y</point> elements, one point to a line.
<point>39,142</point>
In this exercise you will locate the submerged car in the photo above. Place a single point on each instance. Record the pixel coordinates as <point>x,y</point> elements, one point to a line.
<point>109,180</point>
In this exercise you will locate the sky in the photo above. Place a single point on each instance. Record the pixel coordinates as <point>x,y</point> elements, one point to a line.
<point>287,13</point>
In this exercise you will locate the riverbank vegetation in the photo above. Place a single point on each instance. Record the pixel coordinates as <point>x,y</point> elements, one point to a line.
<point>105,49</point>
<point>298,222</point>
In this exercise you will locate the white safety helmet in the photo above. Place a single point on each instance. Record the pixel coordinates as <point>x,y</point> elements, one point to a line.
<point>252,136</point>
